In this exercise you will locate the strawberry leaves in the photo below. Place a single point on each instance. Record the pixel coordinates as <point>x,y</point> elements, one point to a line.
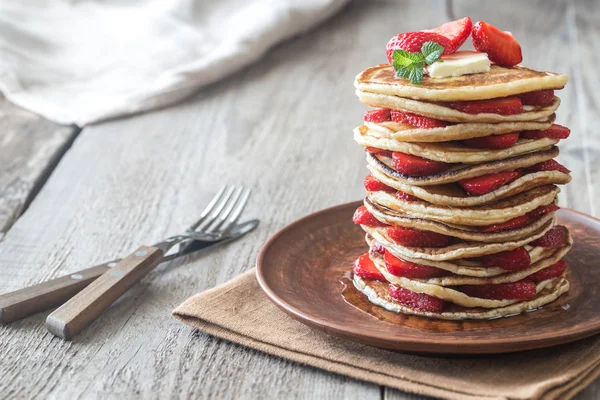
<point>409,65</point>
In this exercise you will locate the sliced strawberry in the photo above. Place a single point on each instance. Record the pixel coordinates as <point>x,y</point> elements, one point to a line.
<point>416,301</point>
<point>377,115</point>
<point>382,152</point>
<point>399,267</point>
<point>417,166</point>
<point>377,247</point>
<point>416,120</point>
<point>539,98</point>
<point>373,185</point>
<point>504,106</point>
<point>553,271</point>
<point>511,260</point>
<point>550,165</point>
<point>501,47</point>
<point>362,216</point>
<point>365,268</point>
<point>554,132</point>
<point>456,32</point>
<point>510,224</point>
<point>488,183</point>
<point>405,196</point>
<point>416,238</point>
<point>541,210</point>
<point>555,237</point>
<point>521,290</point>
<point>493,141</point>
<point>413,41</point>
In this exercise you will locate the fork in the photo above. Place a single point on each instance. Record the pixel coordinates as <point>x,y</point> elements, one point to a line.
<point>221,213</point>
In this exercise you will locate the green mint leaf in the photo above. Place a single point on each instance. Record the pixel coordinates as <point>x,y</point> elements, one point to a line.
<point>416,74</point>
<point>409,65</point>
<point>404,58</point>
<point>431,52</point>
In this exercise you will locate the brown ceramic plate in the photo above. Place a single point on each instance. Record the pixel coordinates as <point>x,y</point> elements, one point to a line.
<point>304,269</point>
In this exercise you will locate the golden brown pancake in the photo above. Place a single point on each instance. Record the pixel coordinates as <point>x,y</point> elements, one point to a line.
<point>407,133</point>
<point>457,172</point>
<point>481,215</point>
<point>464,232</point>
<point>498,82</point>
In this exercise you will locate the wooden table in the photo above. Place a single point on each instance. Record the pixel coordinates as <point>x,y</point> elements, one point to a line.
<point>71,198</point>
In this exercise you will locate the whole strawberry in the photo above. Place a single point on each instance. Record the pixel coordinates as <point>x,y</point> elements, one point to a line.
<point>413,41</point>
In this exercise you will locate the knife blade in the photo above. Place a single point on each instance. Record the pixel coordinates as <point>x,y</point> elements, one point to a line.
<point>54,292</point>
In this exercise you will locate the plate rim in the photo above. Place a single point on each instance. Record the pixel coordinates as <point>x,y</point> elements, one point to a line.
<point>428,345</point>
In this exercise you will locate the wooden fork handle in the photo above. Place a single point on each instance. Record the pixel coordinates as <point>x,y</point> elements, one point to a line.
<point>30,300</point>
<point>73,316</point>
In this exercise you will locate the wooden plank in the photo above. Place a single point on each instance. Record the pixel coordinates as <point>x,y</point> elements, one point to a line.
<point>282,127</point>
<point>30,147</point>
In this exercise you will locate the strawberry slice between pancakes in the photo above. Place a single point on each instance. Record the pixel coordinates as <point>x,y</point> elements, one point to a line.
<point>377,115</point>
<point>409,237</point>
<point>521,290</point>
<point>555,237</point>
<point>373,185</point>
<point>381,152</point>
<point>539,98</point>
<point>399,267</point>
<point>416,301</point>
<point>362,216</point>
<point>554,132</point>
<point>541,210</point>
<point>493,141</point>
<point>550,165</point>
<point>553,271</point>
<point>408,164</point>
<point>504,106</point>
<point>419,121</point>
<point>400,195</point>
<point>488,183</point>
<point>516,222</point>
<point>366,269</point>
<point>510,260</point>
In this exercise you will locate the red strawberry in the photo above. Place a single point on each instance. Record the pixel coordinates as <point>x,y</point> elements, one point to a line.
<point>494,141</point>
<point>504,106</point>
<point>541,210</point>
<point>456,32</point>
<point>510,260</point>
<point>550,165</point>
<point>382,152</point>
<point>399,267</point>
<point>554,132</point>
<point>550,272</point>
<point>377,247</point>
<point>417,166</point>
<point>521,290</point>
<point>501,47</point>
<point>416,301</point>
<point>413,41</point>
<point>539,98</point>
<point>510,224</point>
<point>377,115</point>
<point>405,196</point>
<point>362,216</point>
<point>416,120</point>
<point>365,268</point>
<point>488,183</point>
<point>555,237</point>
<point>373,185</point>
<point>416,238</point>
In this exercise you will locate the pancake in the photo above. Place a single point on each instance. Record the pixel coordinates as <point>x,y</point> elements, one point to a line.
<point>451,252</point>
<point>497,82</point>
<point>444,112</point>
<point>452,152</point>
<point>482,215</point>
<point>551,258</point>
<point>378,294</point>
<point>452,194</point>
<point>458,172</point>
<point>464,232</point>
<point>408,133</point>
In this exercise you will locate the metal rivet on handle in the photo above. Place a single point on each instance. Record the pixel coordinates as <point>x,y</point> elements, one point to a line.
<point>77,276</point>
<point>141,253</point>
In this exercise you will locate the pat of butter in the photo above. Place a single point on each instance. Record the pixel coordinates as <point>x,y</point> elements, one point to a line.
<point>459,63</point>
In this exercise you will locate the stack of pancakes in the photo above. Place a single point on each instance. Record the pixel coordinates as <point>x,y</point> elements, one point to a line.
<point>438,203</point>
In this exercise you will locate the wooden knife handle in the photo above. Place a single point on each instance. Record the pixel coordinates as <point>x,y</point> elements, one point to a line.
<point>30,300</point>
<point>73,316</point>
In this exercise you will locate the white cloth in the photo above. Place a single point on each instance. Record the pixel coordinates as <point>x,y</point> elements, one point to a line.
<point>85,61</point>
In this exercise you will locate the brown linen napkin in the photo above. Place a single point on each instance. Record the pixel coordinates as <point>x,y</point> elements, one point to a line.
<point>239,311</point>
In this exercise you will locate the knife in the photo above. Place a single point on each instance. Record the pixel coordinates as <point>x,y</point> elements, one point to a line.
<point>52,293</point>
